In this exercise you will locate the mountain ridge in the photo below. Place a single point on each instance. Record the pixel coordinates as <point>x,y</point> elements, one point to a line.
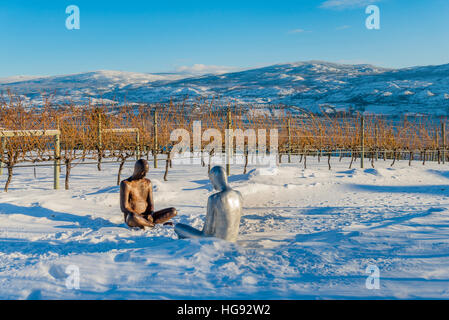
<point>314,85</point>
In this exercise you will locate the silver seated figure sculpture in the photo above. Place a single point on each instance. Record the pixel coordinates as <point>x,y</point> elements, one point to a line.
<point>224,210</point>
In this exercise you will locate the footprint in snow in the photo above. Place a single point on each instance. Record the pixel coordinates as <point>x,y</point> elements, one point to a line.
<point>122,257</point>
<point>57,272</point>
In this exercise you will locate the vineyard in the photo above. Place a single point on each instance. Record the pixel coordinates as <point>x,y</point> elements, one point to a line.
<point>73,135</point>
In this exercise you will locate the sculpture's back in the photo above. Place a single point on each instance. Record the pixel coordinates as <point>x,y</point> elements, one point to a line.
<point>228,213</point>
<point>224,210</point>
<point>226,205</point>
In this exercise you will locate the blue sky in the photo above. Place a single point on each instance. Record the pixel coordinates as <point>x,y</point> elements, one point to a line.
<point>158,36</point>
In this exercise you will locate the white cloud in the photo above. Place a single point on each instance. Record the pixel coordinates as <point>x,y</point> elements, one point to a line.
<point>343,27</point>
<point>343,4</point>
<point>297,31</point>
<point>204,69</point>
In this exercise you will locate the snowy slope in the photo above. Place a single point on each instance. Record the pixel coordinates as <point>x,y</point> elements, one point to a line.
<point>83,86</point>
<point>304,234</point>
<point>314,85</point>
<point>15,79</point>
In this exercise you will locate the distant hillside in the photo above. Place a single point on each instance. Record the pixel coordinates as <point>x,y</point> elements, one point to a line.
<point>314,85</point>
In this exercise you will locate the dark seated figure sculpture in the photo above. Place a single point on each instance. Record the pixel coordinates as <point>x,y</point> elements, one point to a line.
<point>136,200</point>
<point>224,210</point>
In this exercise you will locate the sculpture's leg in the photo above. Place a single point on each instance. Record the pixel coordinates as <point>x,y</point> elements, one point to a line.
<point>164,215</point>
<point>135,220</point>
<point>184,231</point>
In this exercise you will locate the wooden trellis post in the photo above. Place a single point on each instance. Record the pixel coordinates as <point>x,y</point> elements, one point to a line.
<point>362,144</point>
<point>443,136</point>
<point>167,162</point>
<point>289,140</point>
<point>2,150</point>
<point>100,142</point>
<point>376,132</point>
<point>57,165</point>
<point>229,143</point>
<point>137,144</point>
<point>155,142</point>
<point>58,127</point>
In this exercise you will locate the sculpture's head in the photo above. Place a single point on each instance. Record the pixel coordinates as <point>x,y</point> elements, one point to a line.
<point>141,168</point>
<point>218,178</point>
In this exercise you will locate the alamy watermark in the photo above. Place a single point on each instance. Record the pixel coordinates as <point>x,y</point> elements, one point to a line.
<point>372,22</point>
<point>72,282</point>
<point>73,21</point>
<point>189,149</point>
<point>373,280</point>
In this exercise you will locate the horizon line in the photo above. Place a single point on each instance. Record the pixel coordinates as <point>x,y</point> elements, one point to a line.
<point>199,74</point>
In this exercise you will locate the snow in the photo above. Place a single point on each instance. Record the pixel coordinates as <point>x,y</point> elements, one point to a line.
<point>304,234</point>
<point>303,84</point>
<point>20,78</point>
<point>297,78</point>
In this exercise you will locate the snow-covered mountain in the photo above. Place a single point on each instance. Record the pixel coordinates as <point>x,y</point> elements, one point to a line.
<point>314,85</point>
<point>17,79</point>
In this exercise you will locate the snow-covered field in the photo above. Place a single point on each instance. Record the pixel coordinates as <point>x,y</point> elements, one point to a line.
<point>304,234</point>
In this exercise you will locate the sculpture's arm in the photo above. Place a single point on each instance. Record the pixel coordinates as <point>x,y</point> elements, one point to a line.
<point>150,207</point>
<point>124,199</point>
<point>209,224</point>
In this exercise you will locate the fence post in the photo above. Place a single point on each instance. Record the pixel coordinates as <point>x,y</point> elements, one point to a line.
<point>437,144</point>
<point>376,128</point>
<point>2,150</point>
<point>289,140</point>
<point>137,145</point>
<point>100,142</point>
<point>58,127</point>
<point>443,135</point>
<point>167,162</point>
<point>155,143</point>
<point>57,163</point>
<point>362,133</point>
<point>228,144</point>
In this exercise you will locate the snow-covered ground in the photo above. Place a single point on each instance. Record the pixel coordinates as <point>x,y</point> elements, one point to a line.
<point>304,234</point>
